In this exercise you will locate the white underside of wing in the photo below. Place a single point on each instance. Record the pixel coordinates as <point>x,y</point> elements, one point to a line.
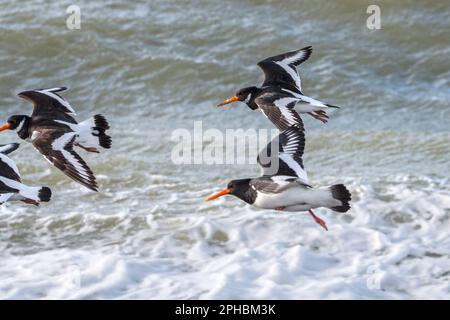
<point>9,163</point>
<point>57,98</point>
<point>59,145</point>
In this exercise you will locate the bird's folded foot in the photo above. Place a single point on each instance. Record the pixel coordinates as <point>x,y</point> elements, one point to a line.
<point>31,201</point>
<point>319,115</point>
<point>88,149</point>
<point>319,221</point>
<point>280,208</point>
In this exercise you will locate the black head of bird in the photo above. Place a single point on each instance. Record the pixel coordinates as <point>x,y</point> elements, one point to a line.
<point>17,123</point>
<point>239,188</point>
<point>246,95</point>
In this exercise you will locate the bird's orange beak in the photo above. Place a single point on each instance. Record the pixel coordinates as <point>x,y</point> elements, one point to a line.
<point>4,127</point>
<point>218,194</point>
<point>232,99</point>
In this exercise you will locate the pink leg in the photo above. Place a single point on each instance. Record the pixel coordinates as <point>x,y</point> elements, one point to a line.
<point>318,220</point>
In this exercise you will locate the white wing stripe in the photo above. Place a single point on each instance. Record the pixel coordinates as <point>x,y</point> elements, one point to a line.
<point>282,105</point>
<point>9,163</point>
<point>294,166</point>
<point>295,94</point>
<point>53,89</point>
<point>299,56</point>
<point>59,99</point>
<point>292,72</point>
<point>59,145</point>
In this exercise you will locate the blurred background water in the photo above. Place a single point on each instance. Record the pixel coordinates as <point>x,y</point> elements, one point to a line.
<point>153,67</point>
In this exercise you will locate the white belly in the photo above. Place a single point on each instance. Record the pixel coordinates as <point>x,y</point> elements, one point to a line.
<point>296,199</point>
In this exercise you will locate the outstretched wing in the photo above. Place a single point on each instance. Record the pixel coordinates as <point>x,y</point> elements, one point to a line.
<point>8,148</point>
<point>57,147</point>
<point>48,103</point>
<point>8,172</point>
<point>283,155</point>
<point>280,111</point>
<point>281,70</point>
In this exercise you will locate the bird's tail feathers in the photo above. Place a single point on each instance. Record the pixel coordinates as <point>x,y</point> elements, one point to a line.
<point>92,132</point>
<point>340,192</point>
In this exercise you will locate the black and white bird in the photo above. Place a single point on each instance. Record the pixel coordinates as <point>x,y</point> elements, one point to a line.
<point>280,96</point>
<point>11,186</point>
<point>54,132</point>
<point>284,183</point>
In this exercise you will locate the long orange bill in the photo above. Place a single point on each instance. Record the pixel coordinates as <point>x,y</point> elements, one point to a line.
<point>232,99</point>
<point>4,127</point>
<point>218,194</point>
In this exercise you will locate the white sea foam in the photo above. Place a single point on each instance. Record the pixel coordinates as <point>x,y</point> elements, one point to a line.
<point>148,234</point>
<point>383,249</point>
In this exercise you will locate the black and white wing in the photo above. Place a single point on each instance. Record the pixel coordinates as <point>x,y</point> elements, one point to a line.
<point>48,103</point>
<point>9,174</point>
<point>8,168</point>
<point>282,157</point>
<point>57,147</point>
<point>279,110</point>
<point>8,148</point>
<point>281,70</point>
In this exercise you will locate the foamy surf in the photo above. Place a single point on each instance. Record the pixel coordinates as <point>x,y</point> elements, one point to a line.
<point>148,234</point>
<point>395,249</point>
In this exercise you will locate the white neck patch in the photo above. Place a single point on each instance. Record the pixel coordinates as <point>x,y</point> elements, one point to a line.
<point>20,126</point>
<point>249,96</point>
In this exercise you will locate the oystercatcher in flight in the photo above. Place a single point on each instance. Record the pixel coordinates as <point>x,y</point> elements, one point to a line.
<point>280,97</point>
<point>11,187</point>
<point>284,183</point>
<point>54,132</point>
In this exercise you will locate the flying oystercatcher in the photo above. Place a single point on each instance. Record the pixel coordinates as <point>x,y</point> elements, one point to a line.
<point>11,187</point>
<point>280,97</point>
<point>54,132</point>
<point>284,183</point>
